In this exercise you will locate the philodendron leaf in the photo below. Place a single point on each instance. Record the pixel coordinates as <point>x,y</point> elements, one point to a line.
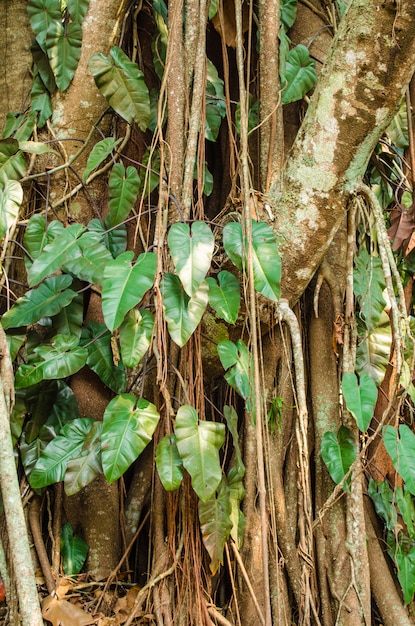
<point>406,505</point>
<point>182,313</point>
<point>12,162</point>
<point>405,564</point>
<point>83,469</point>
<point>225,296</point>
<point>40,100</point>
<point>11,196</point>
<point>51,466</point>
<point>401,449</point>
<point>136,332</point>
<point>77,9</point>
<point>64,45</point>
<point>99,153</point>
<point>128,428</point>
<point>42,13</point>
<point>384,500</point>
<point>360,397</point>
<point>235,479</point>
<point>115,240</point>
<point>100,357</point>
<point>338,452</point>
<point>368,286</point>
<point>265,256</point>
<point>191,251</point>
<point>237,360</point>
<point>74,551</point>
<point>199,443</point>
<point>169,464</point>
<point>373,349</point>
<point>122,84</point>
<point>216,524</point>
<point>123,186</point>
<point>300,74</point>
<point>47,300</point>
<point>125,284</point>
<point>94,256</point>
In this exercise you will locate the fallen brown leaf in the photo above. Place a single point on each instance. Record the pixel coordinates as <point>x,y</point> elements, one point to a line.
<point>64,613</point>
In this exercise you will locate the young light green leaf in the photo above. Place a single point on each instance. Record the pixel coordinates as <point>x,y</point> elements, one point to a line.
<point>99,153</point>
<point>124,285</point>
<point>360,397</point>
<point>77,9</point>
<point>89,265</point>
<point>12,162</point>
<point>182,313</point>
<point>64,44</point>
<point>169,464</point>
<point>35,147</point>
<point>191,251</point>
<point>135,332</point>
<point>374,349</point>
<point>368,286</point>
<point>338,452</point>
<point>11,196</point>
<point>74,551</point>
<point>100,357</point>
<point>199,443</point>
<point>123,185</point>
<point>47,300</point>
<point>122,84</point>
<point>128,428</point>
<point>51,466</point>
<point>42,13</point>
<point>215,524</point>
<point>401,449</point>
<point>225,297</point>
<point>300,74</point>
<point>83,469</point>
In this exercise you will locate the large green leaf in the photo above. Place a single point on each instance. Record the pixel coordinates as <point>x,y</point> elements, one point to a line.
<point>59,360</point>
<point>12,162</point>
<point>40,100</point>
<point>266,258</point>
<point>42,64</point>
<point>64,44</point>
<point>123,185</point>
<point>11,196</point>
<point>94,256</point>
<point>100,358</point>
<point>338,452</point>
<point>115,239</point>
<point>55,254</point>
<point>225,296</point>
<point>51,466</point>
<point>122,84</point>
<point>288,13</point>
<point>136,332</point>
<point>42,13</point>
<point>360,397</point>
<point>368,286</point>
<point>47,300</point>
<point>74,551</point>
<point>169,464</point>
<point>373,349</point>
<point>128,428</point>
<point>101,150</point>
<point>191,251</point>
<point>83,469</point>
<point>182,313</point>
<point>300,74</point>
<point>216,524</point>
<point>237,360</point>
<point>199,443</point>
<point>125,284</point>
<point>401,449</point>
<point>77,9</point>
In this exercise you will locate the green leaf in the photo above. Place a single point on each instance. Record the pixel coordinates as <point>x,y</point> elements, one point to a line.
<point>74,551</point>
<point>12,162</point>
<point>373,349</point>
<point>266,258</point>
<point>55,254</point>
<point>191,251</point>
<point>49,405</point>
<point>237,360</point>
<point>169,464</point>
<point>51,466</point>
<point>64,44</point>
<point>338,452</point>
<point>42,13</point>
<point>225,297</point>
<point>77,9</point>
<point>215,524</point>
<point>199,443</point>
<point>46,300</point>
<point>397,131</point>
<point>213,8</point>
<point>182,313</point>
<point>124,285</point>
<point>40,100</point>
<point>42,65</point>
<point>19,125</point>
<point>115,239</point>
<point>35,147</point>
<point>384,498</point>
<point>135,332</point>
<point>123,185</point>
<point>101,150</point>
<point>122,84</point>
<point>38,234</point>
<point>235,479</point>
<point>215,102</point>
<point>406,505</point>
<point>11,197</point>
<point>288,13</point>
<point>360,397</point>
<point>94,256</point>
<point>100,358</point>
<point>368,286</point>
<point>83,469</point>
<point>128,428</point>
<point>405,563</point>
<point>300,74</point>
<point>401,449</point>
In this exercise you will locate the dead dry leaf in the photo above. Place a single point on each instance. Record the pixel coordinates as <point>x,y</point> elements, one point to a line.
<point>64,613</point>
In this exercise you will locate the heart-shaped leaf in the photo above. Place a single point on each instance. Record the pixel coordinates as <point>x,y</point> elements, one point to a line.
<point>237,360</point>
<point>64,45</point>
<point>69,319</point>
<point>216,524</point>
<point>338,452</point>
<point>94,256</point>
<point>136,332</point>
<point>384,500</point>
<point>11,196</point>
<point>115,239</point>
<point>300,74</point>
<point>360,397</point>
<point>373,349</point>
<point>124,285</point>
<point>225,297</point>
<point>123,185</point>
<point>12,162</point>
<point>128,428</point>
<point>191,251</point>
<point>101,150</point>
<point>368,286</point>
<point>83,469</point>
<point>182,313</point>
<point>401,449</point>
<point>40,100</point>
<point>100,357</point>
<point>42,13</point>
<point>77,9</point>
<point>169,464</point>
<point>73,551</point>
<point>199,443</point>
